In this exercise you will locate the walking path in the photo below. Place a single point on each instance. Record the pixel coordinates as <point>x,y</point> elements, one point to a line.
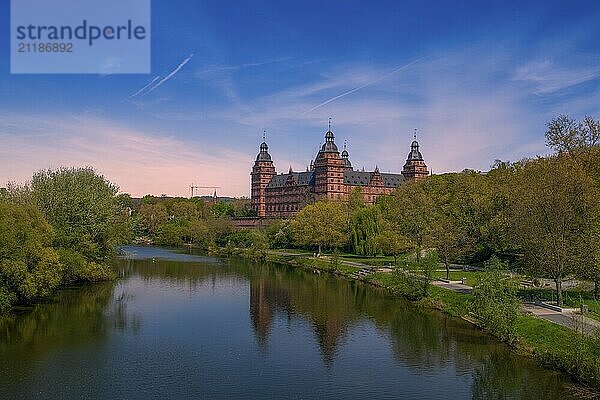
<point>456,286</point>
<point>569,317</point>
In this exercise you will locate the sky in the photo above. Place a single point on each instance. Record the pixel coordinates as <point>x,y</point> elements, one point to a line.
<point>478,79</point>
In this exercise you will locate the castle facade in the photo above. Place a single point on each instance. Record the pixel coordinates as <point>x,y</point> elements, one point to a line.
<point>330,176</point>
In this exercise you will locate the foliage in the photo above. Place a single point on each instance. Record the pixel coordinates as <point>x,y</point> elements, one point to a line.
<point>323,224</point>
<point>280,235</point>
<point>495,301</point>
<point>414,282</point>
<point>29,266</point>
<point>365,225</point>
<point>408,213</point>
<point>556,210</point>
<point>81,207</point>
<point>391,243</point>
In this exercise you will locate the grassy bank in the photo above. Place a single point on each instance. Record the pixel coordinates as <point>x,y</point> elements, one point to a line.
<point>553,345</point>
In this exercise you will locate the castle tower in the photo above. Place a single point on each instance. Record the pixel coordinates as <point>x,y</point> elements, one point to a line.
<point>329,170</point>
<point>347,163</point>
<point>415,168</point>
<point>262,173</point>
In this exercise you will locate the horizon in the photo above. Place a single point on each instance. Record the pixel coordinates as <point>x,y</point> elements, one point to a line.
<point>478,81</point>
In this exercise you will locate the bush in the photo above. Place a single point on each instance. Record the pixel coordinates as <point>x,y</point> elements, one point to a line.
<point>495,301</point>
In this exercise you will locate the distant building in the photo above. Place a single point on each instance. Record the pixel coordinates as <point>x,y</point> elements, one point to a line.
<point>330,176</point>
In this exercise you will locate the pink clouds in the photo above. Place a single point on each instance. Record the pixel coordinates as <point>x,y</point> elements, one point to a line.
<point>139,162</point>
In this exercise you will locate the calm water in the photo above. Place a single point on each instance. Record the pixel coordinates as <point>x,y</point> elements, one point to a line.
<point>195,327</point>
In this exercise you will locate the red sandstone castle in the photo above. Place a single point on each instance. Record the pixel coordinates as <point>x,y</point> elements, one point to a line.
<point>330,176</point>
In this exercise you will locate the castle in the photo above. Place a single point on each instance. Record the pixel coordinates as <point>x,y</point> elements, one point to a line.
<point>330,176</point>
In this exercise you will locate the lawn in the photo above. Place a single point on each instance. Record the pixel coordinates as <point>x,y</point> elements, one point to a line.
<point>472,276</point>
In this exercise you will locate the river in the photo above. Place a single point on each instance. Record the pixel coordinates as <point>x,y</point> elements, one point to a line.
<point>179,326</point>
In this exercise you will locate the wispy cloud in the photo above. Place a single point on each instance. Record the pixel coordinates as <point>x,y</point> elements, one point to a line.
<point>547,76</point>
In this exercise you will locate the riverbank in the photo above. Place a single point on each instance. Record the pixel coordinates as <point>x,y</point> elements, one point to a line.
<point>554,346</point>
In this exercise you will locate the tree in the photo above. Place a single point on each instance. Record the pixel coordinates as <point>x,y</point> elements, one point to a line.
<point>29,268</point>
<point>408,211</point>
<point>87,218</point>
<point>450,230</point>
<point>495,301</point>
<point>553,203</point>
<point>81,206</point>
<point>365,223</point>
<point>391,243</point>
<point>321,224</point>
<point>566,135</point>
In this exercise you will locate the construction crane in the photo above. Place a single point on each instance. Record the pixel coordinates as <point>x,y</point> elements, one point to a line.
<point>193,187</point>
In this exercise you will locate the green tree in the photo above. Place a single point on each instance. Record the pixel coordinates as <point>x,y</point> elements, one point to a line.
<point>29,268</point>
<point>365,224</point>
<point>391,243</point>
<point>87,217</point>
<point>495,301</point>
<point>322,224</point>
<point>449,230</point>
<point>409,212</point>
<point>553,204</point>
<point>81,207</point>
<point>577,139</point>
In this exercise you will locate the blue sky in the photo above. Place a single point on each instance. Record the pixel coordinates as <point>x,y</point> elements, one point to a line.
<point>478,79</point>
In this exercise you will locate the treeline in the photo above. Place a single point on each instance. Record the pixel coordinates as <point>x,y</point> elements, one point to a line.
<point>540,215</point>
<point>61,228</point>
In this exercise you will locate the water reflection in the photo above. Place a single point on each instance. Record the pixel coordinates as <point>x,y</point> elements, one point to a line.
<point>236,329</point>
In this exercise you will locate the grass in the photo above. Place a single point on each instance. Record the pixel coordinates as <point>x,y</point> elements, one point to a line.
<point>472,276</point>
<point>562,348</point>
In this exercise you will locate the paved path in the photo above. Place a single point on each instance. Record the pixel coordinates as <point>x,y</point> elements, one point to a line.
<point>456,286</point>
<point>569,318</point>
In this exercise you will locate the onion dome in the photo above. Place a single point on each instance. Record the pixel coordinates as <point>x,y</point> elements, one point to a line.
<point>415,154</point>
<point>345,156</point>
<point>329,145</point>
<point>264,153</point>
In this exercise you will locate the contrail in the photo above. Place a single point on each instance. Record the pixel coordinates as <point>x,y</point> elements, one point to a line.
<point>145,87</point>
<point>365,85</point>
<point>166,78</point>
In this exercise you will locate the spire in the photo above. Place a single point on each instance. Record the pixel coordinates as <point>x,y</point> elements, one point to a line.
<point>264,149</point>
<point>345,143</point>
<point>415,134</point>
<point>329,125</point>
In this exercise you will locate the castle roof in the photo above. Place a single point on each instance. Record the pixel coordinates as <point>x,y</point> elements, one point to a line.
<point>362,178</point>
<point>329,145</point>
<point>264,153</point>
<point>414,154</point>
<point>301,178</point>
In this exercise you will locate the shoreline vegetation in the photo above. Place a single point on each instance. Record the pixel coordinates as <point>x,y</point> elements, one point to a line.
<point>536,219</point>
<point>554,346</point>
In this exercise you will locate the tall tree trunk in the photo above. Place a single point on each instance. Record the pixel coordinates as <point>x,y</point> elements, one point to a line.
<point>319,253</point>
<point>559,294</point>
<point>418,253</point>
<point>395,260</point>
<point>447,268</point>
<point>596,289</point>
